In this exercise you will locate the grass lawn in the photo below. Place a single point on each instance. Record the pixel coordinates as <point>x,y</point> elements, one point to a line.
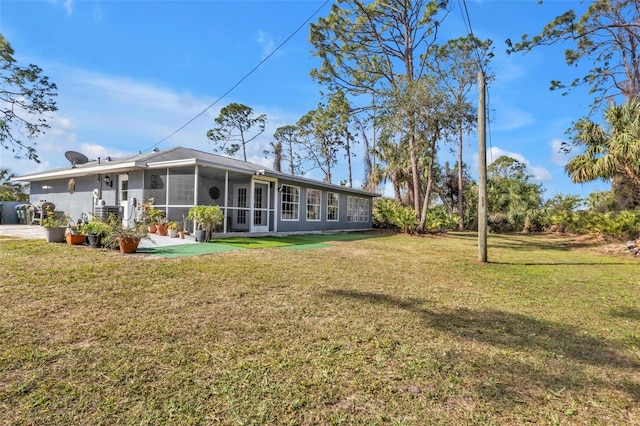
<point>386,330</point>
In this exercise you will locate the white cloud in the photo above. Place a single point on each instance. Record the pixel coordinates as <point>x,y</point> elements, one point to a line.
<point>67,4</point>
<point>102,115</point>
<point>266,42</point>
<point>510,118</point>
<point>558,157</point>
<point>97,13</point>
<point>539,173</point>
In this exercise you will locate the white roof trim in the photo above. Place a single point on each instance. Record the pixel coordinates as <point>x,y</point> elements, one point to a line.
<point>77,171</point>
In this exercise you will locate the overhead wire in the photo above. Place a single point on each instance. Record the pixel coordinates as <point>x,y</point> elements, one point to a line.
<point>467,22</point>
<point>255,68</point>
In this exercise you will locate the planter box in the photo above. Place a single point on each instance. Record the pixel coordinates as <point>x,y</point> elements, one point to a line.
<point>76,239</point>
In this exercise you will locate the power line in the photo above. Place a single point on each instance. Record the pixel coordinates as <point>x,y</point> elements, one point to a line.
<point>242,79</point>
<point>467,23</point>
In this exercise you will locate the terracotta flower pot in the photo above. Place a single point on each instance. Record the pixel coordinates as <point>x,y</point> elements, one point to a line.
<point>152,229</point>
<point>129,245</point>
<point>76,239</point>
<point>161,230</point>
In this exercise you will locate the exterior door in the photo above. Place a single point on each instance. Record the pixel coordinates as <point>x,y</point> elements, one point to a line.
<point>123,198</point>
<point>260,221</point>
<point>241,208</point>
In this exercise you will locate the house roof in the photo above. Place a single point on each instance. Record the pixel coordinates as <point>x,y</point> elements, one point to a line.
<point>173,157</point>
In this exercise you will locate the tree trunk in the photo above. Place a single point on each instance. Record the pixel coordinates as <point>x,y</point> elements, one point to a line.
<point>277,157</point>
<point>291,161</point>
<point>460,181</point>
<point>348,148</point>
<point>414,173</point>
<point>427,195</point>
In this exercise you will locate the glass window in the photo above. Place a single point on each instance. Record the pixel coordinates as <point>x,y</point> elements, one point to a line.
<point>181,186</point>
<point>314,200</point>
<point>242,202</point>
<point>290,202</point>
<point>333,206</point>
<point>357,209</point>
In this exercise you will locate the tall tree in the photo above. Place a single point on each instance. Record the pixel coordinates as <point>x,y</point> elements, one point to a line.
<point>235,123</point>
<point>26,96</point>
<point>611,152</point>
<point>375,47</point>
<point>284,148</point>
<point>325,133</point>
<point>608,36</point>
<point>457,63</point>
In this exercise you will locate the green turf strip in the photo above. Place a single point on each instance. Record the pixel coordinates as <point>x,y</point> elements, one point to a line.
<point>301,241</point>
<point>183,250</point>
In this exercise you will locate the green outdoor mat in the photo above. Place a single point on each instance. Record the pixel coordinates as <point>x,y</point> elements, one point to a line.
<point>294,242</point>
<point>298,242</point>
<point>183,250</point>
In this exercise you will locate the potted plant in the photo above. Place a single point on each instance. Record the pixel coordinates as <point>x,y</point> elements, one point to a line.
<point>125,238</point>
<point>207,219</point>
<point>172,229</point>
<point>183,231</point>
<point>95,231</point>
<point>74,235</point>
<point>75,238</point>
<point>55,226</point>
<point>161,225</point>
<point>153,216</point>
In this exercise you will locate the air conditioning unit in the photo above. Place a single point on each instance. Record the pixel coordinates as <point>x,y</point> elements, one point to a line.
<point>103,212</point>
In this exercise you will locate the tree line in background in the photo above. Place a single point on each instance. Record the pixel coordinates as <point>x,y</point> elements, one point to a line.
<point>389,83</point>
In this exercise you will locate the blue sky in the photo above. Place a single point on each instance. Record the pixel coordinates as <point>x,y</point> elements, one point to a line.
<point>130,73</point>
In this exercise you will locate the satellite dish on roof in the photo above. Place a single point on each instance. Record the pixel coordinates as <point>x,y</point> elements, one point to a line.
<point>76,158</point>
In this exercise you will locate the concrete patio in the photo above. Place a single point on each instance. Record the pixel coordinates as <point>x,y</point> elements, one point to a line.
<point>36,232</point>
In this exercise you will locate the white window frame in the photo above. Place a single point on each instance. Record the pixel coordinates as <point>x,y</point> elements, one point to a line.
<point>357,209</point>
<point>314,209</point>
<point>333,207</point>
<point>294,204</point>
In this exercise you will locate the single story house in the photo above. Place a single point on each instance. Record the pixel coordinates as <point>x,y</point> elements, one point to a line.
<point>254,199</point>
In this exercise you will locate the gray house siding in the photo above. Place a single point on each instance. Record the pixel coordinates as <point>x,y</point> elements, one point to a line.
<point>303,224</point>
<point>81,201</point>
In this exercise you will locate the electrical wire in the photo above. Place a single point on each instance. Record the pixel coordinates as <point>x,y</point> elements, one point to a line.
<point>467,22</point>
<point>255,68</point>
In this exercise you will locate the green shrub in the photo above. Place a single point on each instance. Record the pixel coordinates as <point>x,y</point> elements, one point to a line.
<point>404,218</point>
<point>207,218</point>
<point>439,220</point>
<point>383,212</point>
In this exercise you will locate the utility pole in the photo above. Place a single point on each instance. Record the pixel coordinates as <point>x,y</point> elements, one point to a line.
<point>482,170</point>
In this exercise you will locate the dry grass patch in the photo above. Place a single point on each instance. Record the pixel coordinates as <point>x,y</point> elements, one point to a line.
<point>396,329</point>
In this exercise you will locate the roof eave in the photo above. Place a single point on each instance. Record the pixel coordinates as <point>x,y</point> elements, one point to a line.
<point>77,171</point>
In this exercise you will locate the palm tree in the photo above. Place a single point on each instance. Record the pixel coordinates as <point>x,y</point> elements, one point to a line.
<point>611,152</point>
